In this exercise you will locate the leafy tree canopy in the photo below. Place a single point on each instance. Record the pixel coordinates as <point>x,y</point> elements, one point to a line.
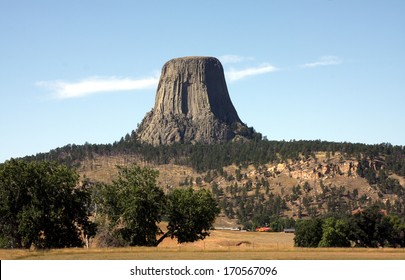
<point>308,233</point>
<point>134,205</point>
<point>42,205</point>
<point>371,227</point>
<point>335,233</point>
<point>191,214</point>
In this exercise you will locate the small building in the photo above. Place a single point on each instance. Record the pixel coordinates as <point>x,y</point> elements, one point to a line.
<point>289,230</point>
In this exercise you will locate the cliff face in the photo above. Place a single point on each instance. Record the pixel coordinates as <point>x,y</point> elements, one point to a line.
<point>192,105</point>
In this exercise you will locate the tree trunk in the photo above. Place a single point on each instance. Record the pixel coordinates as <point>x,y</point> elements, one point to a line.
<point>162,237</point>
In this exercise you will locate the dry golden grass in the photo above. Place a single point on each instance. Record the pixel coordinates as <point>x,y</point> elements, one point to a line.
<point>221,245</point>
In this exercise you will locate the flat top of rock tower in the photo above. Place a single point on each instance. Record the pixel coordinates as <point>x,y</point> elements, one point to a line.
<point>193,58</point>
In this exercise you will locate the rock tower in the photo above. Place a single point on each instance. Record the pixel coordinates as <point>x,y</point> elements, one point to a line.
<point>192,105</point>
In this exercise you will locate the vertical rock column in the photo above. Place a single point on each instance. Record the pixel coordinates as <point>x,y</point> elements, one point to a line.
<point>192,105</point>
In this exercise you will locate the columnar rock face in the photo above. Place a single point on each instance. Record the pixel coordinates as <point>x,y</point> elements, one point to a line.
<point>192,105</point>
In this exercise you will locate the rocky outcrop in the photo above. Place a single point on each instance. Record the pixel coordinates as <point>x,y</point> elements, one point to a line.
<point>192,105</point>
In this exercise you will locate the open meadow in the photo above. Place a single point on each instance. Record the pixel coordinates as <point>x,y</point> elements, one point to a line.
<point>220,245</point>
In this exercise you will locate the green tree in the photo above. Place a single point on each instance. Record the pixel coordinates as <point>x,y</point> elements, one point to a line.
<point>190,214</point>
<point>307,187</point>
<point>335,233</point>
<point>198,181</point>
<point>308,233</point>
<point>398,234</point>
<point>133,206</point>
<point>371,228</point>
<point>42,205</point>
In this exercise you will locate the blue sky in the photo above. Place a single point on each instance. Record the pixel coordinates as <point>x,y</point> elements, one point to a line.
<point>76,71</point>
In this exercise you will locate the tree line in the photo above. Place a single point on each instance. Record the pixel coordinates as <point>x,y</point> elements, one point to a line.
<point>203,157</point>
<point>371,227</point>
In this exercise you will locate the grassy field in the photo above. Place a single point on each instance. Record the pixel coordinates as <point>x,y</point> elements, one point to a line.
<point>221,245</point>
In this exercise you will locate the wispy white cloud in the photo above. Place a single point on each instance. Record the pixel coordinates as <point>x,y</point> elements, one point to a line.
<point>60,89</point>
<point>90,86</point>
<point>234,75</point>
<point>323,61</point>
<point>231,58</point>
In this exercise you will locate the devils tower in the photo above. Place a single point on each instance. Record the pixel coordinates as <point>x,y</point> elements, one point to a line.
<point>192,105</point>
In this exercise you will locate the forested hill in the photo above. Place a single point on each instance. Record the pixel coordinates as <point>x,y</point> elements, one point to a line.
<point>205,157</point>
<point>260,182</point>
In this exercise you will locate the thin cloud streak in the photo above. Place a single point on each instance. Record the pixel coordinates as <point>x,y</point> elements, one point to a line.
<point>323,61</point>
<point>91,86</point>
<point>67,90</point>
<point>234,75</point>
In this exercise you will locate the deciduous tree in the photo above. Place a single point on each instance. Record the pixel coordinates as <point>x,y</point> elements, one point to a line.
<point>41,204</point>
<point>133,205</point>
<point>190,214</point>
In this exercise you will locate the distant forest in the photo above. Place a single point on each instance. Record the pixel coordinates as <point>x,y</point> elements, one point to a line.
<point>204,157</point>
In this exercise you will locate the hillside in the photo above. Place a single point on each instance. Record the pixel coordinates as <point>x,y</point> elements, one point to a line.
<point>292,185</point>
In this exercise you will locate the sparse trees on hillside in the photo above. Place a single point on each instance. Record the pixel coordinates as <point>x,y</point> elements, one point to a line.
<point>204,157</point>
